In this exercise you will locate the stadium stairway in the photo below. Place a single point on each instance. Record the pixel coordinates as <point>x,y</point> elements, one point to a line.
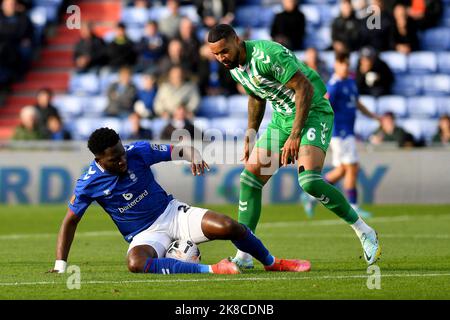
<point>53,64</point>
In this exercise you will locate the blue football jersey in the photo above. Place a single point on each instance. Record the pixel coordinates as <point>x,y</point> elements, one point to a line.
<point>343,95</point>
<point>134,200</point>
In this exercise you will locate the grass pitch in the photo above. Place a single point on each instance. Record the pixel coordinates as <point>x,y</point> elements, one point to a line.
<point>415,262</point>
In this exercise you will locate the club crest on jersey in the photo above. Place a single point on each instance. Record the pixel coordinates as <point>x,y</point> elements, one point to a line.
<point>132,176</point>
<point>277,69</point>
<point>127,196</point>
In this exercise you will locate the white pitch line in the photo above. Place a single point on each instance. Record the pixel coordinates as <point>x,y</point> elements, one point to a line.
<point>9,284</point>
<point>264,225</point>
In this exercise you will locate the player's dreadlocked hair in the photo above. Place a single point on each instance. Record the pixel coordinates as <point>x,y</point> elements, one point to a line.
<point>101,139</point>
<point>221,31</point>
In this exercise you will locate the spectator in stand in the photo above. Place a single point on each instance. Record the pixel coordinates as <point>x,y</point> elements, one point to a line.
<point>29,128</point>
<point>404,34</point>
<point>426,13</point>
<point>312,60</point>
<point>146,96</point>
<point>151,48</point>
<point>374,35</point>
<point>55,129</point>
<point>180,122</point>
<point>373,75</point>
<point>390,132</point>
<point>90,51</point>
<point>174,57</point>
<point>16,32</point>
<point>177,90</point>
<point>442,137</point>
<point>288,27</point>
<point>346,29</point>
<point>213,78</point>
<point>44,106</point>
<point>121,95</point>
<point>170,25</point>
<point>191,45</point>
<point>121,49</point>
<point>137,131</point>
<point>214,12</point>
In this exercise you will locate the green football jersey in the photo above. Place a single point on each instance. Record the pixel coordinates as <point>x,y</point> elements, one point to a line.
<point>268,67</point>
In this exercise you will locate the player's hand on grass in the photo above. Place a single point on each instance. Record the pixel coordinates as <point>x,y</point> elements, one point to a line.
<point>289,152</point>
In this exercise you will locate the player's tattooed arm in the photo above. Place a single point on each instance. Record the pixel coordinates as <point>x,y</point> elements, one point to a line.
<point>303,96</point>
<point>256,109</point>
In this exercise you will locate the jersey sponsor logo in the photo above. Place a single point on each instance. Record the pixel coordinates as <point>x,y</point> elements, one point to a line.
<point>134,202</point>
<point>132,176</point>
<point>158,147</point>
<point>127,196</point>
<point>89,173</point>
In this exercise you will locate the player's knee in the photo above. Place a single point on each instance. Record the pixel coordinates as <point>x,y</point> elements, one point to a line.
<point>311,187</point>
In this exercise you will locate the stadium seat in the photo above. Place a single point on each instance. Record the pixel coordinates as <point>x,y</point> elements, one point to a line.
<point>190,11</point>
<point>202,123</point>
<point>319,39</point>
<point>230,127</point>
<point>429,128</point>
<point>137,80</point>
<point>365,127</point>
<point>213,106</point>
<point>156,13</point>
<point>84,84</point>
<point>135,33</point>
<point>422,107</point>
<point>69,106</point>
<point>394,104</point>
<point>436,84</point>
<point>436,39</point>
<point>408,85</point>
<point>238,105</point>
<point>328,57</point>
<point>398,62</point>
<point>443,60</point>
<point>260,34</point>
<point>312,14</point>
<point>443,105</point>
<point>267,14</point>
<point>83,127</point>
<point>158,125</point>
<point>132,16</point>
<point>422,62</point>
<point>106,80</point>
<point>95,106</point>
<point>247,16</point>
<point>369,102</point>
<point>421,129</point>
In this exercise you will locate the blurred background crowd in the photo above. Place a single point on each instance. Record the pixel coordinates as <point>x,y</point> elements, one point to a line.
<point>143,67</point>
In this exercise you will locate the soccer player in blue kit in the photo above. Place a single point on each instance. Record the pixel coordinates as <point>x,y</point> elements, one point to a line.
<point>121,182</point>
<point>343,95</point>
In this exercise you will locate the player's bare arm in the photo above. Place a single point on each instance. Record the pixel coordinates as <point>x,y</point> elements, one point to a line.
<point>189,153</point>
<point>303,95</point>
<point>256,109</point>
<point>361,107</point>
<point>65,238</point>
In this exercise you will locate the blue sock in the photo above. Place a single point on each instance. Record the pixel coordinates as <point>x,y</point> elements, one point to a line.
<point>252,245</point>
<point>352,195</point>
<point>168,266</point>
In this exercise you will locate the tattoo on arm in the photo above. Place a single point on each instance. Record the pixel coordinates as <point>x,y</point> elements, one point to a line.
<point>303,96</point>
<point>256,109</point>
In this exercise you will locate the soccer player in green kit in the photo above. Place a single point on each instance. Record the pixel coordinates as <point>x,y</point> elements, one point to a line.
<point>300,129</point>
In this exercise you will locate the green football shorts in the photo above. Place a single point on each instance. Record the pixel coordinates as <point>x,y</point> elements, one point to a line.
<point>316,131</point>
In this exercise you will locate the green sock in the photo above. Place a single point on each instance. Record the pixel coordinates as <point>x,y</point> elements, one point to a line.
<point>312,182</point>
<point>250,198</point>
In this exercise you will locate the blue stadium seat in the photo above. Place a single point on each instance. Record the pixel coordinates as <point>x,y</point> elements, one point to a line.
<point>408,85</point>
<point>422,62</point>
<point>158,125</point>
<point>69,106</point>
<point>138,80</point>
<point>436,84</point>
<point>95,106</point>
<point>328,57</point>
<point>202,123</point>
<point>369,102</point>
<point>394,104</point>
<point>319,39</point>
<point>398,62</point>
<point>443,105</point>
<point>436,39</point>
<point>231,127</point>
<point>328,13</point>
<point>312,14</point>
<point>443,60</point>
<point>190,11</point>
<point>83,127</point>
<point>422,107</point>
<point>429,128</point>
<point>212,107</point>
<point>421,129</point>
<point>106,80</point>
<point>247,16</point>
<point>260,34</point>
<point>84,84</point>
<point>132,16</point>
<point>156,13</point>
<point>365,127</point>
<point>266,16</point>
<point>238,105</point>
<point>135,33</point>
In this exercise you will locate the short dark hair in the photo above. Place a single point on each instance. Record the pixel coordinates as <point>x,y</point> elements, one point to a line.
<point>342,56</point>
<point>45,90</point>
<point>221,31</point>
<point>102,139</point>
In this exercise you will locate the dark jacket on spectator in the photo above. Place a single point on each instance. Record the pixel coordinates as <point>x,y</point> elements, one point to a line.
<point>291,26</point>
<point>121,100</point>
<point>95,48</point>
<point>121,53</point>
<point>384,78</point>
<point>347,31</point>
